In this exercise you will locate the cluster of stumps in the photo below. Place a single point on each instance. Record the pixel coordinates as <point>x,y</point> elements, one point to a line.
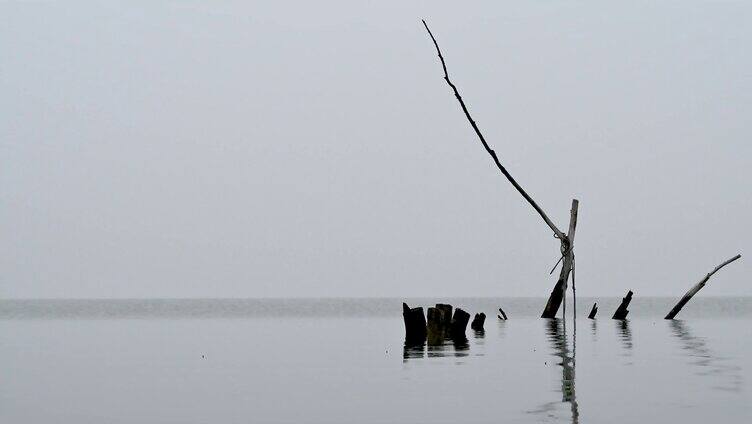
<point>439,323</point>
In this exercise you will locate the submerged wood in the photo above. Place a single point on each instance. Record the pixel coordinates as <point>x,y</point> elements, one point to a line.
<point>503,315</point>
<point>478,321</point>
<point>567,252</point>
<point>693,291</point>
<point>621,311</point>
<point>566,244</point>
<point>593,311</point>
<point>415,322</point>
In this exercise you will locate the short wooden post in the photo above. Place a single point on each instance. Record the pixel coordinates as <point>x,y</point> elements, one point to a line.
<point>593,311</point>
<point>478,321</point>
<point>503,315</point>
<point>415,322</point>
<point>621,311</point>
<point>459,322</point>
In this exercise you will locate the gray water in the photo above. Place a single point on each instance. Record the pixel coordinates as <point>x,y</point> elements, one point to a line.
<point>345,361</point>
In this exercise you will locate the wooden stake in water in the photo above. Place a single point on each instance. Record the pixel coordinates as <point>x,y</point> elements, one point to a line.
<point>566,240</point>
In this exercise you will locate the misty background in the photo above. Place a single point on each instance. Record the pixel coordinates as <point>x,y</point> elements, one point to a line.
<point>271,149</point>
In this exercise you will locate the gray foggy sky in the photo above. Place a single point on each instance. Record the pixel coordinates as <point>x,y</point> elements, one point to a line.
<point>258,149</point>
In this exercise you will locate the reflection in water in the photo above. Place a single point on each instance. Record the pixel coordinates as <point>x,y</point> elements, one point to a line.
<point>413,349</point>
<point>708,364</point>
<point>502,327</point>
<point>625,335</point>
<point>479,336</point>
<point>436,347</point>
<point>557,335</point>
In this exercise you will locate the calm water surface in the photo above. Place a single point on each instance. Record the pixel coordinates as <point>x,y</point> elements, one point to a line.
<point>345,361</point>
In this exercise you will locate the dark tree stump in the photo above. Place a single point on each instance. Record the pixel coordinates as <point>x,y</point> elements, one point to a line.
<point>446,320</point>
<point>434,319</point>
<point>478,321</point>
<point>593,311</point>
<point>415,322</point>
<point>621,311</point>
<point>435,326</point>
<point>459,323</point>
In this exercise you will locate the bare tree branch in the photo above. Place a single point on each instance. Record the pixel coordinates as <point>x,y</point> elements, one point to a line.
<point>693,291</point>
<point>560,235</point>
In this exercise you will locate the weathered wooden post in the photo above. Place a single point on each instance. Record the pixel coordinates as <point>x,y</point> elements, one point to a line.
<point>415,322</point>
<point>446,317</point>
<point>435,326</point>
<point>567,252</point>
<point>593,311</point>
<point>693,291</point>
<point>621,311</point>
<point>459,323</point>
<point>503,315</point>
<point>478,321</point>
<point>566,240</point>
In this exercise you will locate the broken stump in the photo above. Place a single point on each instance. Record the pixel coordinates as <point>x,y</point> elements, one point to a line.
<point>593,311</point>
<point>478,321</point>
<point>459,323</point>
<point>446,310</point>
<point>621,311</point>
<point>415,322</point>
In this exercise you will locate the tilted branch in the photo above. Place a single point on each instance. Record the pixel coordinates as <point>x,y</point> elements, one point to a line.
<point>693,291</point>
<point>560,235</point>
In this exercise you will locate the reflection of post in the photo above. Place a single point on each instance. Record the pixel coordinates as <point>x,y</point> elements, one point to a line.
<point>705,360</point>
<point>625,333</point>
<point>413,349</point>
<point>573,402</point>
<point>557,333</point>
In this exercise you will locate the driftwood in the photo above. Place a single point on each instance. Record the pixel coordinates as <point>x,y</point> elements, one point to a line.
<point>693,291</point>
<point>566,243</point>
<point>621,311</point>
<point>593,311</point>
<point>415,323</point>
<point>503,315</point>
<point>478,321</point>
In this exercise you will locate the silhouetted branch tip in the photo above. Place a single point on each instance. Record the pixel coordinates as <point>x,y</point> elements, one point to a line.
<point>558,233</point>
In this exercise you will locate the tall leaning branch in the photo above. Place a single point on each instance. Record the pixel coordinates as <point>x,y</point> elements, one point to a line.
<point>558,233</point>
<point>693,291</point>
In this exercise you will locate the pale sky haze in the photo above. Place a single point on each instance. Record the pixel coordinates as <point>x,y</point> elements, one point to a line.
<point>274,149</point>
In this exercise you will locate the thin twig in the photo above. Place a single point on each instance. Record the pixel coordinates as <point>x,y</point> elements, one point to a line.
<point>556,264</point>
<point>557,232</point>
